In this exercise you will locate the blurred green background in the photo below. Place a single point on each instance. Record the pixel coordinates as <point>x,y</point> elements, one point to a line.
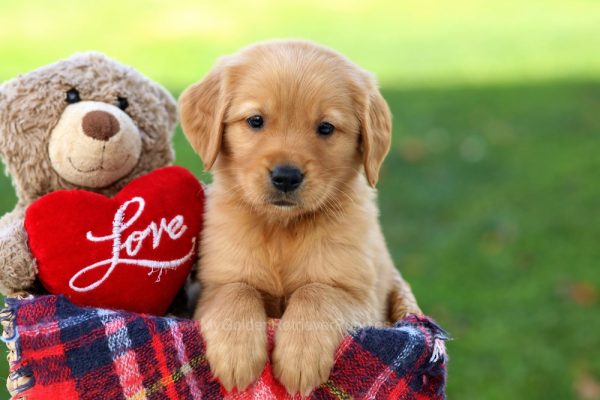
<point>490,197</point>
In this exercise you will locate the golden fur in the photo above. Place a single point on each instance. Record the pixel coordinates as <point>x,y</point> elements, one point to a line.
<point>321,265</point>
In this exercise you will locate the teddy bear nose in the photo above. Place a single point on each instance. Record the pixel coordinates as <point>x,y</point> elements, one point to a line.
<point>100,125</point>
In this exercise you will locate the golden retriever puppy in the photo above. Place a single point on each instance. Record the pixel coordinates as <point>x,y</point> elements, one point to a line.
<point>295,135</point>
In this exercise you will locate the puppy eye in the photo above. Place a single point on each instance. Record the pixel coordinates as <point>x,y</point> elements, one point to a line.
<point>73,96</point>
<point>255,122</point>
<point>325,129</point>
<point>122,103</point>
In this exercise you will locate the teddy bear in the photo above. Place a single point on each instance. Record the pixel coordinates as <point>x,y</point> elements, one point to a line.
<point>86,122</point>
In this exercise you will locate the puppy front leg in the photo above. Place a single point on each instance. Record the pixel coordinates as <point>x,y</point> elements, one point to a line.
<point>315,320</point>
<point>401,300</point>
<point>233,323</point>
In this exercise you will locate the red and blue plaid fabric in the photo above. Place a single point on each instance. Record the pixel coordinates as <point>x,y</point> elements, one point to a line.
<point>70,352</point>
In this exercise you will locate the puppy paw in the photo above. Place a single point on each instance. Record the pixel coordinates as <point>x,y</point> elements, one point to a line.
<point>302,360</point>
<point>236,355</point>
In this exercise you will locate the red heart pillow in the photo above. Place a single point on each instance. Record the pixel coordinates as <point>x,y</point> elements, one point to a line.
<point>131,252</point>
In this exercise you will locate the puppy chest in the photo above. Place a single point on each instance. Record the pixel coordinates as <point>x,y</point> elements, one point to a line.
<point>279,265</point>
<point>274,305</point>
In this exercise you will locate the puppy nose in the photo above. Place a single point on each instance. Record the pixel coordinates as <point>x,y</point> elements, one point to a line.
<point>286,178</point>
<point>100,125</point>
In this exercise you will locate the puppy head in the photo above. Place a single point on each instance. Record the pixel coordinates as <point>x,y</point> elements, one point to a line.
<point>287,125</point>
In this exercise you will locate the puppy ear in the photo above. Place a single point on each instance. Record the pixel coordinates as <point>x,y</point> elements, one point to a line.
<point>202,110</point>
<point>376,131</point>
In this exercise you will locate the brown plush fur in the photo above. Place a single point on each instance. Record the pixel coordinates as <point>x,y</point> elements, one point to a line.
<point>321,265</point>
<point>31,106</point>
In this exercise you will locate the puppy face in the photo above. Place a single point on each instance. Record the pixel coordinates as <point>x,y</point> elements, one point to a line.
<point>288,126</point>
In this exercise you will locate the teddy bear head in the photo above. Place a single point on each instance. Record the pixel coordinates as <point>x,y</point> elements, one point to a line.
<point>86,122</point>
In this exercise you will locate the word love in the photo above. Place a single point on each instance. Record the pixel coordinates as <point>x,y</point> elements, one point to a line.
<point>132,244</point>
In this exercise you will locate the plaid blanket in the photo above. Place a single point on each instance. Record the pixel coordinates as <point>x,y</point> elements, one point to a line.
<point>62,351</point>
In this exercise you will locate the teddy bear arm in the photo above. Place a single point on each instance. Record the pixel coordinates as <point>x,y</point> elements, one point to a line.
<point>18,268</point>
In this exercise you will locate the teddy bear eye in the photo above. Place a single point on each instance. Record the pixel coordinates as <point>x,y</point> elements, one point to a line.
<point>122,103</point>
<point>73,96</point>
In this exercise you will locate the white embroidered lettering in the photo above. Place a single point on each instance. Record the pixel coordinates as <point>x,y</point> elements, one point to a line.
<point>132,245</point>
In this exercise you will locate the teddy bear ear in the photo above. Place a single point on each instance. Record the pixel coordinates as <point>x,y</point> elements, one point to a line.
<point>2,98</point>
<point>90,57</point>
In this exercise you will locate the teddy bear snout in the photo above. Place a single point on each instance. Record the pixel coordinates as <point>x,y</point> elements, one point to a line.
<point>100,125</point>
<point>94,144</point>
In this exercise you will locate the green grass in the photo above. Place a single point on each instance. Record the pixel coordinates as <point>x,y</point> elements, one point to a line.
<point>489,203</point>
<point>408,42</point>
<point>489,197</point>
